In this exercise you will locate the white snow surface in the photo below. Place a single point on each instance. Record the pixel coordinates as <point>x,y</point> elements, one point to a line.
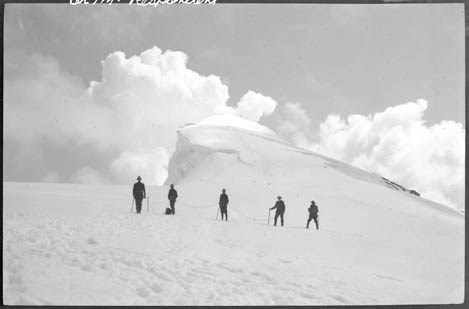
<point>66,244</point>
<point>229,120</point>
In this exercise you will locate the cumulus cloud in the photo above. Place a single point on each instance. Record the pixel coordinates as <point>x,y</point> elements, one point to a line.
<point>151,165</point>
<point>57,127</point>
<point>398,145</point>
<point>253,106</point>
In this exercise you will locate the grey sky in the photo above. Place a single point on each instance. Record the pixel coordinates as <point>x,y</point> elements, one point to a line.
<point>331,58</point>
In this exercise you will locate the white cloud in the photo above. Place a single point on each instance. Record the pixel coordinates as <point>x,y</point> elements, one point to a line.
<point>253,106</point>
<point>151,95</point>
<point>397,144</point>
<point>151,166</point>
<point>126,121</point>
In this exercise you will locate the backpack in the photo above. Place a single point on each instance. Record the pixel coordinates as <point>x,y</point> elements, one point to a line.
<point>168,211</point>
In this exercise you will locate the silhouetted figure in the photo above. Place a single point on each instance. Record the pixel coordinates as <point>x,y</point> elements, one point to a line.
<point>313,215</point>
<point>139,194</point>
<point>224,204</point>
<point>172,196</point>
<point>280,210</point>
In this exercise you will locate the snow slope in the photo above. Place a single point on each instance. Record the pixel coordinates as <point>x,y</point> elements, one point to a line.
<point>70,244</point>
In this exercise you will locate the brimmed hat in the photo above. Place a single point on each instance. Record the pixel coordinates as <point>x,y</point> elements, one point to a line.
<point>139,178</point>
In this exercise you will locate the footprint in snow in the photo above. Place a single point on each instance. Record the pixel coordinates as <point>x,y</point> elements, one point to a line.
<point>262,275</point>
<point>308,296</point>
<point>387,277</point>
<point>153,286</point>
<point>87,268</point>
<point>143,291</point>
<point>341,299</point>
<point>91,241</point>
<point>230,268</point>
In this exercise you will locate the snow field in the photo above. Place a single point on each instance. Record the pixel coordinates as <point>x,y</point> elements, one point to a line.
<point>87,249</point>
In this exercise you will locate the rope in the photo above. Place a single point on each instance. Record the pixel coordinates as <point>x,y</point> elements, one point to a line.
<point>208,206</point>
<point>244,215</point>
<point>195,206</point>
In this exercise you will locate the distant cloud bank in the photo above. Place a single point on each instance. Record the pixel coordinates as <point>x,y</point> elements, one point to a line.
<point>119,127</point>
<point>396,144</point>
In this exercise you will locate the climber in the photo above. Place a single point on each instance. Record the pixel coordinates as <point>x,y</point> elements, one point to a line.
<point>280,210</point>
<point>172,196</point>
<point>223,204</point>
<point>313,215</point>
<point>139,194</point>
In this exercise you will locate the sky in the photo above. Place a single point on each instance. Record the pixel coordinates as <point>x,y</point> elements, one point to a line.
<point>95,93</point>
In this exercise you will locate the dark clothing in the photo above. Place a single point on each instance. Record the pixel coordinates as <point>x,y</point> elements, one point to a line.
<point>313,210</point>
<point>223,199</point>
<point>280,210</point>
<point>224,205</point>
<point>313,215</point>
<point>173,206</point>
<point>138,204</point>
<point>139,194</point>
<point>139,190</point>
<point>315,218</point>
<point>172,196</point>
<point>277,214</point>
<point>224,211</point>
<point>280,206</point>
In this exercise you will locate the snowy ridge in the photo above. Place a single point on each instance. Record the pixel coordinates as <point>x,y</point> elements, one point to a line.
<point>226,140</point>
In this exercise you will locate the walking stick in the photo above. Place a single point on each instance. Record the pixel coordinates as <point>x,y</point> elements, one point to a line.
<point>268,220</point>
<point>218,210</point>
<point>132,206</point>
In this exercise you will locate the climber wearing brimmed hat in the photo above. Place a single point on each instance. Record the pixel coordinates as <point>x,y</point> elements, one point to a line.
<point>139,193</point>
<point>313,215</point>
<point>280,206</point>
